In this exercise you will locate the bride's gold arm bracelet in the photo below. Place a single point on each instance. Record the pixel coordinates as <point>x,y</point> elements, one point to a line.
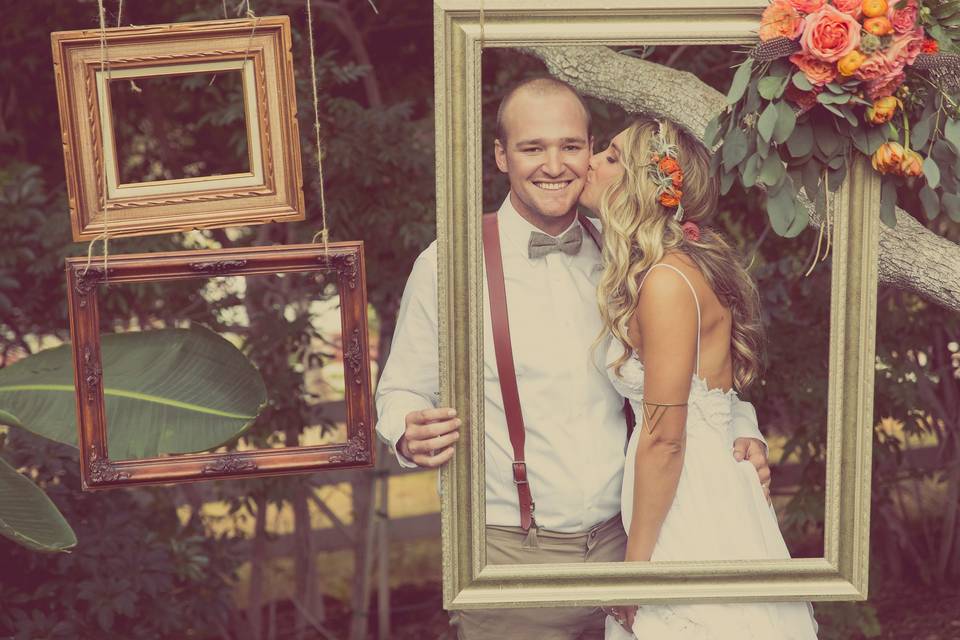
<point>652,417</point>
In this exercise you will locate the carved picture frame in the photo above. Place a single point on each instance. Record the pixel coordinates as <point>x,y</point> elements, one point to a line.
<point>462,29</point>
<point>99,471</point>
<point>270,191</point>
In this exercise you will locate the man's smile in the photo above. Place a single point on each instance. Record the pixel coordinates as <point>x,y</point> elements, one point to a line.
<point>553,186</point>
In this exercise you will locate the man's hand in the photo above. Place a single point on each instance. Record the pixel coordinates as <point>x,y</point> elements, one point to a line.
<point>753,450</point>
<point>624,615</point>
<point>429,437</point>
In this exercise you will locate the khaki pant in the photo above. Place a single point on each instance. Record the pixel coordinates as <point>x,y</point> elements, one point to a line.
<point>606,542</point>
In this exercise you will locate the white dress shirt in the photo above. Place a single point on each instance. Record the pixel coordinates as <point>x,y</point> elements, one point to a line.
<point>575,430</point>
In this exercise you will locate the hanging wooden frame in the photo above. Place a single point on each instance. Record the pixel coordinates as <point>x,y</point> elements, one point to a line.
<point>271,190</point>
<point>98,470</point>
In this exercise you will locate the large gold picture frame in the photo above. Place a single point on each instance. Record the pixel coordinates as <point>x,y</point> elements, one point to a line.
<point>259,49</point>
<point>462,28</point>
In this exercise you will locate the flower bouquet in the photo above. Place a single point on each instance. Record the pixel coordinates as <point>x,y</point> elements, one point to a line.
<point>833,77</point>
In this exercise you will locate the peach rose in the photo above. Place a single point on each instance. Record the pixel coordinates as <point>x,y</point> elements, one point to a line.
<point>829,34</point>
<point>808,6</point>
<point>850,7</point>
<point>888,157</point>
<point>876,66</point>
<point>780,20</point>
<point>905,19</point>
<point>885,85</point>
<point>817,71</point>
<point>882,110</point>
<point>906,47</point>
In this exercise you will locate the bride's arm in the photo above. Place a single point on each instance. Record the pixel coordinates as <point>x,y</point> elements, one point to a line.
<point>667,319</point>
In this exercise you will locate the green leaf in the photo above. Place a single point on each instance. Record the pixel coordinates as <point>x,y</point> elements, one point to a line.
<point>836,175</point>
<point>750,171</point>
<point>888,201</point>
<point>28,516</point>
<point>832,98</point>
<point>800,81</point>
<point>740,81</point>
<point>951,204</point>
<point>859,137</point>
<point>930,202</point>
<point>734,148</point>
<point>726,181</point>
<point>711,133</point>
<point>932,172</point>
<point>920,132</point>
<point>951,131</point>
<point>833,109</point>
<point>771,87</point>
<point>166,391</point>
<point>811,178</point>
<point>782,207</point>
<point>801,220</point>
<point>875,138</point>
<point>786,122</point>
<point>827,139</point>
<point>767,121</point>
<point>772,171</point>
<point>800,143</point>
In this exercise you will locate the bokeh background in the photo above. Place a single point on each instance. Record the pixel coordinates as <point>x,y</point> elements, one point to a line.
<point>356,554</point>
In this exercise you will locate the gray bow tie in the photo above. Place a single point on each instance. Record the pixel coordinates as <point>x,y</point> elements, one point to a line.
<point>541,244</point>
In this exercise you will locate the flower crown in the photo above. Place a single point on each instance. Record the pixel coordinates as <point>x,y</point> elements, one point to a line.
<point>665,172</point>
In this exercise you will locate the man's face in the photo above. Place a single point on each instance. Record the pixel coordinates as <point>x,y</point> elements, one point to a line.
<point>545,154</point>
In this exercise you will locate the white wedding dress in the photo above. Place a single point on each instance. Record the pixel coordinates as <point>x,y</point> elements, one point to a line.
<point>719,513</point>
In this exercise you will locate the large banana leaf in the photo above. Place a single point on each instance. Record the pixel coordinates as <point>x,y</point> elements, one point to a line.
<point>28,516</point>
<point>166,391</point>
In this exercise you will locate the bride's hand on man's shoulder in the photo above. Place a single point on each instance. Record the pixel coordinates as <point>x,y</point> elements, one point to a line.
<point>430,436</point>
<point>755,452</point>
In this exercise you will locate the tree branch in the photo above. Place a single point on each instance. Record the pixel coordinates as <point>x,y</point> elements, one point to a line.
<point>912,257</point>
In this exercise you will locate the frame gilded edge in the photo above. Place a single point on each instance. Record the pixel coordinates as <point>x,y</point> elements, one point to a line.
<point>99,471</point>
<point>468,583</point>
<point>267,41</point>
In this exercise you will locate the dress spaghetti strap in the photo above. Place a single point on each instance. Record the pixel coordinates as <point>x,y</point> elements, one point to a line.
<point>695,299</point>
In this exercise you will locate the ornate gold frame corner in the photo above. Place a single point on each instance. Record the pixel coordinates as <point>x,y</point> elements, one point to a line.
<point>468,582</point>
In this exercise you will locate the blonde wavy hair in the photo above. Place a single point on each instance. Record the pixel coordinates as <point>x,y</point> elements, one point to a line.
<point>638,231</point>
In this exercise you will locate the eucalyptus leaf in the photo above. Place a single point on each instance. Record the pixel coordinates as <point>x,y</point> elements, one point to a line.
<point>850,116</point>
<point>859,137</point>
<point>772,171</point>
<point>801,220</point>
<point>786,122</point>
<point>930,202</point>
<point>726,181</point>
<point>165,391</point>
<point>28,516</point>
<point>920,132</point>
<point>781,207</point>
<point>951,131</point>
<point>771,87</point>
<point>932,172</point>
<point>833,109</point>
<point>951,204</point>
<point>767,121</point>
<point>800,143</point>
<point>753,100</point>
<point>944,152</point>
<point>711,133</point>
<point>800,81</point>
<point>875,138</point>
<point>836,175</point>
<point>888,202</point>
<point>740,80</point>
<point>751,169</point>
<point>734,148</point>
<point>811,178</point>
<point>832,98</point>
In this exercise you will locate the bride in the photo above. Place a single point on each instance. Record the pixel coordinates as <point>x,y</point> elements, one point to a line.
<point>686,337</point>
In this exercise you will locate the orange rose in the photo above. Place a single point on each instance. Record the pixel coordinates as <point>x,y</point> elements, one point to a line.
<point>780,20</point>
<point>848,64</point>
<point>677,179</point>
<point>874,8</point>
<point>670,199</point>
<point>882,110</point>
<point>888,157</point>
<point>911,165</point>
<point>879,26</point>
<point>668,165</point>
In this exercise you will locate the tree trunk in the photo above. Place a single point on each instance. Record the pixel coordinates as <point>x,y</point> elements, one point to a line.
<point>257,559</point>
<point>912,257</point>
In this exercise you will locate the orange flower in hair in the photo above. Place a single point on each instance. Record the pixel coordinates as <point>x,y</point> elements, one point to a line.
<point>668,166</point>
<point>666,173</point>
<point>671,199</point>
<point>677,179</point>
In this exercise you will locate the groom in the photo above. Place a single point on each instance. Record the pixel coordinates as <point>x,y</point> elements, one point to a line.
<point>572,419</point>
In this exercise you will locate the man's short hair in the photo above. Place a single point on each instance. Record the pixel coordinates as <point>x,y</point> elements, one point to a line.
<point>540,85</point>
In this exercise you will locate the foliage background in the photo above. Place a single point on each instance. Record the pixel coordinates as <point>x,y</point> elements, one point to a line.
<point>148,563</point>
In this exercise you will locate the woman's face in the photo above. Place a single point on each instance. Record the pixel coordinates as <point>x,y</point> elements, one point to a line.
<point>604,169</point>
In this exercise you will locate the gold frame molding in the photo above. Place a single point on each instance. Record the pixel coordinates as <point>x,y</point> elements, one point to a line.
<point>271,191</point>
<point>470,583</point>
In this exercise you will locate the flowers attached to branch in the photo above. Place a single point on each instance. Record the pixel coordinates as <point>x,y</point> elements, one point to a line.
<point>835,77</point>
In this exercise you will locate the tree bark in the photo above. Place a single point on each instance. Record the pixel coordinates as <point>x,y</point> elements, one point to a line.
<point>912,257</point>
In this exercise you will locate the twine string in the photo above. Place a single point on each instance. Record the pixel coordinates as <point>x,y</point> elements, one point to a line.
<point>824,228</point>
<point>105,76</point>
<point>324,233</point>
